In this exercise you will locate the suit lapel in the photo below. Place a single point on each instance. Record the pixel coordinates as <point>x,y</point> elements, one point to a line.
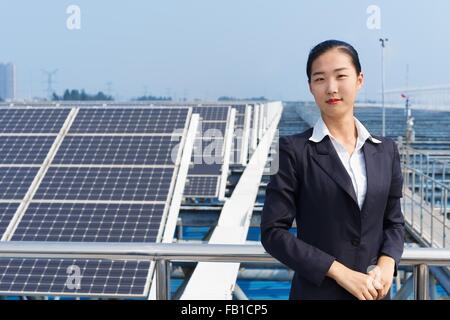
<point>374,168</point>
<point>328,159</point>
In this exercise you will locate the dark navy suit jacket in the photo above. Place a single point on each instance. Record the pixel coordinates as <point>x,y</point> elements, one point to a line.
<point>313,187</point>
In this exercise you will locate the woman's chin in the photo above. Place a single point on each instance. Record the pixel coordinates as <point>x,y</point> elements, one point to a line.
<point>335,110</point>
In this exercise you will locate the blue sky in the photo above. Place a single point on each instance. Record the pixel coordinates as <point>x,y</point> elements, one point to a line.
<point>205,49</point>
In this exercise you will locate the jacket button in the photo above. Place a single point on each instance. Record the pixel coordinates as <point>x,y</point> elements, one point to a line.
<point>356,242</point>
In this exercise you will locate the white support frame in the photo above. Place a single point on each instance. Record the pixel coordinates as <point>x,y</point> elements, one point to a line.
<point>261,121</point>
<point>227,144</point>
<point>177,197</point>
<point>232,227</point>
<point>246,135</point>
<point>254,130</point>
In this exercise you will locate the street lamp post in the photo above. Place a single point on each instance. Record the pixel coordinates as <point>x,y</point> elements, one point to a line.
<point>383,126</point>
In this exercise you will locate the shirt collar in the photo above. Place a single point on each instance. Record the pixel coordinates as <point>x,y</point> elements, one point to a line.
<point>320,130</point>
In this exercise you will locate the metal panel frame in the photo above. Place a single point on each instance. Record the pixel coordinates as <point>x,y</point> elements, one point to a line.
<point>228,142</point>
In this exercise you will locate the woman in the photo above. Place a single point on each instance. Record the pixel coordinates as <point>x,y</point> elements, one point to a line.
<point>343,186</point>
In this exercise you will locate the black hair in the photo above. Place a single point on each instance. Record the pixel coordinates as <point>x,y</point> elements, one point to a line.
<point>327,45</point>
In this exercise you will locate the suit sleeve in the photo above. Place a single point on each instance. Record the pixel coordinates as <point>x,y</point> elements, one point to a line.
<point>394,223</point>
<point>278,214</point>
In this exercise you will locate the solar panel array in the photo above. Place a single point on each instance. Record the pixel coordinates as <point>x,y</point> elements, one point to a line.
<point>29,121</point>
<point>204,177</point>
<point>215,122</point>
<point>214,116</point>
<point>26,136</point>
<point>110,180</point>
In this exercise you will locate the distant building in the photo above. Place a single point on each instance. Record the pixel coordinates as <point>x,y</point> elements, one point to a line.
<point>7,81</point>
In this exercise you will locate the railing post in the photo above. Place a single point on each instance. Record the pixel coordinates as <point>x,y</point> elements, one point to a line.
<point>162,279</point>
<point>413,190</point>
<point>421,289</point>
<point>444,220</point>
<point>432,203</point>
<point>180,229</point>
<point>421,203</point>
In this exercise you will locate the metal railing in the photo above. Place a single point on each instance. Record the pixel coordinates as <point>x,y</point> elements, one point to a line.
<point>428,197</point>
<point>164,253</point>
<point>433,165</point>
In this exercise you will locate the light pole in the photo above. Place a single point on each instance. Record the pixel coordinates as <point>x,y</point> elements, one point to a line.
<point>383,126</point>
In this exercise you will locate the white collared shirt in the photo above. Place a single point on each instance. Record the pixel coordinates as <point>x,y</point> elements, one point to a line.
<point>354,164</point>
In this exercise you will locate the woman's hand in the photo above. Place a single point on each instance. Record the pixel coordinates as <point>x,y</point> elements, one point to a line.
<point>358,284</point>
<point>383,274</point>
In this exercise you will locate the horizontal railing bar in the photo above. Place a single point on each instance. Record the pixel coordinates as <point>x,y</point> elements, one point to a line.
<point>181,252</point>
<point>427,177</point>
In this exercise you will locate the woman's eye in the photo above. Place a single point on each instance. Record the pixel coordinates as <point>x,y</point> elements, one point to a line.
<point>342,76</point>
<point>318,79</point>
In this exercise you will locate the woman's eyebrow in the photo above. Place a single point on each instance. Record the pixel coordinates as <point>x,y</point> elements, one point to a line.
<point>335,70</point>
<point>340,69</point>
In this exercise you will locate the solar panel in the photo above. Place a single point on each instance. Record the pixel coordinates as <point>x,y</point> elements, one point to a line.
<point>28,120</point>
<point>113,184</point>
<point>208,158</point>
<point>213,169</point>
<point>241,135</point>
<point>212,113</point>
<point>201,186</point>
<point>211,128</point>
<point>15,182</point>
<point>208,149</point>
<point>92,222</point>
<point>110,180</point>
<point>131,120</point>
<point>240,108</point>
<point>24,149</point>
<point>73,276</point>
<point>7,211</point>
<point>117,150</point>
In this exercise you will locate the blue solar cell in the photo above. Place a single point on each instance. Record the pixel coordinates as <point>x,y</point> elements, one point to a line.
<point>212,113</point>
<point>210,169</point>
<point>201,186</point>
<point>15,181</point>
<point>48,120</point>
<point>208,151</point>
<point>212,129</point>
<point>88,183</point>
<point>117,150</point>
<point>240,108</point>
<point>24,149</point>
<point>81,222</point>
<point>73,276</point>
<point>134,120</point>
<point>7,211</point>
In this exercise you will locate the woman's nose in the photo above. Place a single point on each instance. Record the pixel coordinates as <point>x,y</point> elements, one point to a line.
<point>331,87</point>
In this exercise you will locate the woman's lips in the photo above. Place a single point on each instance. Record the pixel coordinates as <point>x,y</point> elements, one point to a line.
<point>333,101</point>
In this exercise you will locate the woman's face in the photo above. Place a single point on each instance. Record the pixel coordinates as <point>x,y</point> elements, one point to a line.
<point>334,83</point>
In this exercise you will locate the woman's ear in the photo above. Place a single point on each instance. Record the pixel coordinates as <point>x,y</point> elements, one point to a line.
<point>360,81</point>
